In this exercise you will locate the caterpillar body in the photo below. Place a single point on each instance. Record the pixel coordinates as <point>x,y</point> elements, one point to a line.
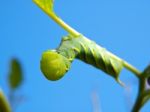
<point>73,46</point>
<point>83,49</point>
<point>88,51</point>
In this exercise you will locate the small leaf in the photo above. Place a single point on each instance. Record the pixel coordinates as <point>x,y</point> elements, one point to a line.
<point>15,75</point>
<point>45,5</point>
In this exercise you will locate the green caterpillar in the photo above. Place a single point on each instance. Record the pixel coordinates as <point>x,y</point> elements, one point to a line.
<point>55,63</point>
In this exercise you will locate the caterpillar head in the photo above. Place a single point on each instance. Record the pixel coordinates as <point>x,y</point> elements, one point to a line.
<point>54,65</point>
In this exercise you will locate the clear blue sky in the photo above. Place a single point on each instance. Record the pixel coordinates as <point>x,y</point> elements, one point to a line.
<point>121,26</point>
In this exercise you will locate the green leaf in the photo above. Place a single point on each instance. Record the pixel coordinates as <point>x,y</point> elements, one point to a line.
<point>45,5</point>
<point>15,75</point>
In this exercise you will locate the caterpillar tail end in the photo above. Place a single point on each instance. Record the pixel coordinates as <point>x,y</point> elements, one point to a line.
<point>120,83</point>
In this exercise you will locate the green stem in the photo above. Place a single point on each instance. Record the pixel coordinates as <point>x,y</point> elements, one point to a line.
<point>132,68</point>
<point>60,22</point>
<point>4,105</point>
<point>137,105</point>
<point>64,25</point>
<point>139,100</point>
